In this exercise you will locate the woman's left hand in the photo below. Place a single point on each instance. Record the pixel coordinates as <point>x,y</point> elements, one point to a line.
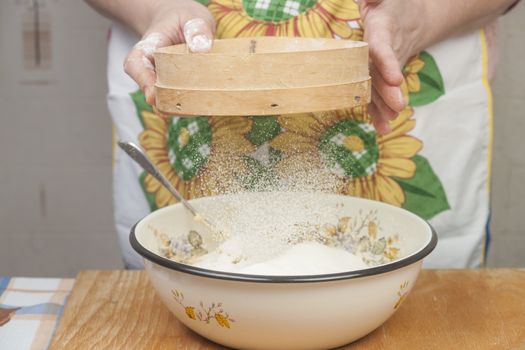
<point>393,30</point>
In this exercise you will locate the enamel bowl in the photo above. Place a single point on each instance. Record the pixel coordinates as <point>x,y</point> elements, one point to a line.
<point>290,312</point>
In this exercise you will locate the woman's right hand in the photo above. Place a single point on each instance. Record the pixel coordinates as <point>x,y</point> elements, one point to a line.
<point>169,23</point>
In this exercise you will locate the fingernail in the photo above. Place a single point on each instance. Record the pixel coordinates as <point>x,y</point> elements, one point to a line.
<point>200,43</point>
<point>195,35</point>
<point>401,97</point>
<point>382,126</point>
<point>149,95</point>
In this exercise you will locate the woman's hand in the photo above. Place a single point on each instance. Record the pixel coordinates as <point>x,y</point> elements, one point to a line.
<point>397,30</point>
<point>169,23</point>
<point>392,30</point>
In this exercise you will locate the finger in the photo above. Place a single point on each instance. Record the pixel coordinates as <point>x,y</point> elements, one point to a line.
<point>382,53</point>
<point>150,42</point>
<point>140,69</point>
<point>385,112</point>
<point>198,35</point>
<point>382,126</point>
<point>139,63</point>
<point>381,113</point>
<point>391,95</point>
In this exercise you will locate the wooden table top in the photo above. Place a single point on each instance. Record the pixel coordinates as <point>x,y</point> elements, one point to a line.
<point>447,309</point>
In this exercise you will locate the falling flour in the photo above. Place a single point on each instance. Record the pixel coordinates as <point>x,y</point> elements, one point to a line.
<point>267,219</point>
<point>275,233</point>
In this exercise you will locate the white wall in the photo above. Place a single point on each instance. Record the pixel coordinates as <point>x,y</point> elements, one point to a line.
<point>55,148</point>
<point>508,204</point>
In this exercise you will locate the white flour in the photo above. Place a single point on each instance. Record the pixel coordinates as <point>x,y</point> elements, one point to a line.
<point>308,258</point>
<point>149,44</point>
<point>275,233</point>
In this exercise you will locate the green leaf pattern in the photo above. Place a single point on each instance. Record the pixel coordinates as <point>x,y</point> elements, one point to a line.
<point>432,85</point>
<point>424,192</point>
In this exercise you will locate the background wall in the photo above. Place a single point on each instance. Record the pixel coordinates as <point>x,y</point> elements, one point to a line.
<point>55,143</point>
<point>508,183</point>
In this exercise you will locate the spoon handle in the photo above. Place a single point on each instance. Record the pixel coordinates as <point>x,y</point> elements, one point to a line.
<point>138,156</point>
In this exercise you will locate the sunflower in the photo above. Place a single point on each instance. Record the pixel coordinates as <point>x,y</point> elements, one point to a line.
<point>301,18</point>
<point>344,148</point>
<point>412,83</point>
<point>200,156</point>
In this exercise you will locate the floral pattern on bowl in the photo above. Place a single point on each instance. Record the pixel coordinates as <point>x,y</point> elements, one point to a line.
<point>183,250</point>
<point>359,235</point>
<point>402,294</point>
<point>204,314</point>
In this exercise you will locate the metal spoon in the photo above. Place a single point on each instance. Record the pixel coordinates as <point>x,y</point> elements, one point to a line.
<point>138,156</point>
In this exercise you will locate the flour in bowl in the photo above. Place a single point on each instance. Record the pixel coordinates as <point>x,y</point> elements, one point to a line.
<point>283,234</point>
<point>307,258</point>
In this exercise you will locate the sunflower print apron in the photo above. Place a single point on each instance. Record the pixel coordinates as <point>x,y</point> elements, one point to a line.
<point>434,162</point>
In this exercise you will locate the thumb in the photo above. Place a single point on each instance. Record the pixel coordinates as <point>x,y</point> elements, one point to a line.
<point>198,35</point>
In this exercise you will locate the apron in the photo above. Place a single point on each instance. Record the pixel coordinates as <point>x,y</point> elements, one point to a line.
<point>435,162</point>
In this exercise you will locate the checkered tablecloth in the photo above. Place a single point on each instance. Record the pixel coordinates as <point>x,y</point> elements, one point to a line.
<point>30,309</point>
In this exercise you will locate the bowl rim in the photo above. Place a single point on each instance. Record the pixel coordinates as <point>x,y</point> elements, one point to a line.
<point>231,276</point>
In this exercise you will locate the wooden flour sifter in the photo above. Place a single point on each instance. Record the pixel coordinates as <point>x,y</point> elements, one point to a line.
<point>263,76</point>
